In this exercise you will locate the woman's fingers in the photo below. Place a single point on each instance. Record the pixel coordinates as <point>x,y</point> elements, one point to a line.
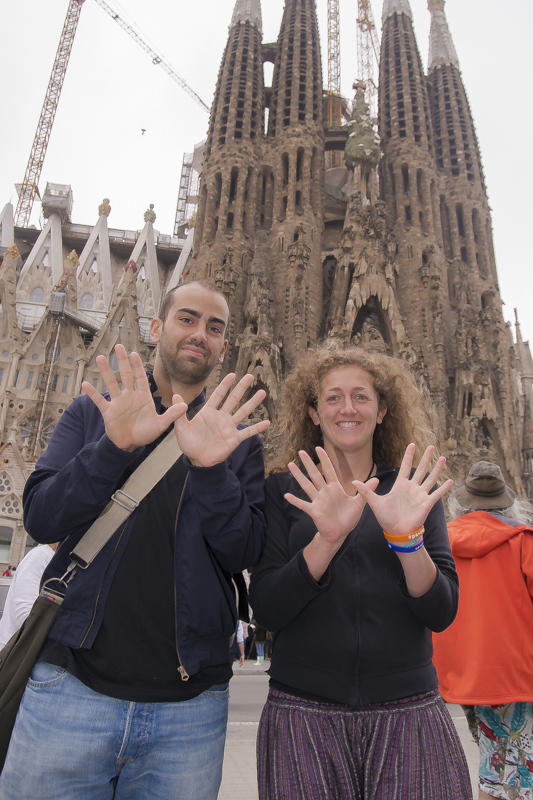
<point>304,482</point>
<point>327,467</point>
<point>422,469</point>
<point>407,462</point>
<point>312,469</point>
<point>295,501</point>
<point>434,475</point>
<point>367,490</point>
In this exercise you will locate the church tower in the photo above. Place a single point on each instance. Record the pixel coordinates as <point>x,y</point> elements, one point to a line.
<point>481,355</point>
<point>230,196</point>
<point>296,140</point>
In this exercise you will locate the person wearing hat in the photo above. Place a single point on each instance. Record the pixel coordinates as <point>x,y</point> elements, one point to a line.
<point>484,660</point>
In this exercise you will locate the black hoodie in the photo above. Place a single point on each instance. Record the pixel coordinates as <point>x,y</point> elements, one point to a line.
<point>356,637</point>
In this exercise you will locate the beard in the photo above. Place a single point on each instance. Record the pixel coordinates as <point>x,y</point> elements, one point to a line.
<point>185,369</point>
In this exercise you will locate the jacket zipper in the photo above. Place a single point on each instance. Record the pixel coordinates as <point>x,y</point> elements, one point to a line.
<point>100,589</point>
<point>181,669</point>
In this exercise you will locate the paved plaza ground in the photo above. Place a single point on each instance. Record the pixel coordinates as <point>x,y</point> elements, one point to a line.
<point>248,694</point>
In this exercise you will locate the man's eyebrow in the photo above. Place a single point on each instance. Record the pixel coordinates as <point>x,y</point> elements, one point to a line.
<point>198,315</point>
<point>191,311</point>
<point>216,319</point>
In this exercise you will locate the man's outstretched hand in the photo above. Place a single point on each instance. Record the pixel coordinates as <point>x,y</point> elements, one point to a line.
<point>130,417</point>
<point>213,434</point>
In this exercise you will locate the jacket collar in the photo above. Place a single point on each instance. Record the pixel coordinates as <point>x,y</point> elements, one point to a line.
<point>160,408</point>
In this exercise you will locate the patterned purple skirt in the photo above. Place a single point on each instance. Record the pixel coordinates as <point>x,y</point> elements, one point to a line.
<point>403,750</point>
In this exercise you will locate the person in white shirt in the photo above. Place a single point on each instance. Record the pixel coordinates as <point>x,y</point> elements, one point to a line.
<point>24,590</point>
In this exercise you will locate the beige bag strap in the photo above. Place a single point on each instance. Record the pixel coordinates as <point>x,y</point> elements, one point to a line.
<point>124,501</point>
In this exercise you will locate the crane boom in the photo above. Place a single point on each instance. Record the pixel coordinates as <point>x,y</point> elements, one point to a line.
<point>34,167</point>
<point>156,59</point>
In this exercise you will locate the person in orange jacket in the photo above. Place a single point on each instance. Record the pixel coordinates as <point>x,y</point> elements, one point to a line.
<point>484,660</point>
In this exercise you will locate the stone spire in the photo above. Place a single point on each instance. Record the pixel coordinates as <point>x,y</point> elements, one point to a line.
<point>391,7</point>
<point>441,47</point>
<point>247,11</point>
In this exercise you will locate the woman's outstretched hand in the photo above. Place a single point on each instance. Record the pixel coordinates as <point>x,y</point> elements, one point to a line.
<point>334,512</point>
<point>405,508</point>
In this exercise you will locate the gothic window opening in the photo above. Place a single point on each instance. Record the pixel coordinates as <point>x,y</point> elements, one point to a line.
<point>218,189</point>
<point>230,221</point>
<point>233,184</point>
<point>464,255</point>
<point>87,301</point>
<point>406,184</point>
<point>446,228</point>
<point>285,167</point>
<point>37,296</point>
<point>408,215</point>
<point>64,388</point>
<point>460,220</point>
<point>29,382</point>
<point>371,329</point>
<point>299,163</point>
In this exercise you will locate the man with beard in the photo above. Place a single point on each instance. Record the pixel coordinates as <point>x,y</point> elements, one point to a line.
<point>129,696</point>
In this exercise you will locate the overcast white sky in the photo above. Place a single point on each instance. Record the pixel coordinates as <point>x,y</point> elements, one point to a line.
<point>112,91</point>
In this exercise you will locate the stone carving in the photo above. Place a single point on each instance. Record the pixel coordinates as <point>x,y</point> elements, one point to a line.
<point>104,210</point>
<point>150,215</point>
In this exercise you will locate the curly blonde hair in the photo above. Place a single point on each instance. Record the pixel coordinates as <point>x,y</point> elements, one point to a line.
<point>405,421</point>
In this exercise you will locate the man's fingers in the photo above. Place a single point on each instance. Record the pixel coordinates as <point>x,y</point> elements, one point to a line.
<point>173,413</point>
<point>100,402</point>
<point>221,391</point>
<point>251,430</point>
<point>124,367</point>
<point>108,375</point>
<point>235,396</point>
<point>141,380</point>
<point>247,408</point>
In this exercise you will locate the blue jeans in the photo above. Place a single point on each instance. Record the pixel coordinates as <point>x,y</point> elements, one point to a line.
<point>70,743</point>
<point>260,649</point>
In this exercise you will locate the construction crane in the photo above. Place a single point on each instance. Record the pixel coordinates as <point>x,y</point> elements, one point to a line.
<point>334,98</point>
<point>368,49</point>
<point>29,187</point>
<point>156,59</point>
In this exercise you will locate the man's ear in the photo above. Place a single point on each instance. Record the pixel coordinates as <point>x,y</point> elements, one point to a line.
<point>156,326</point>
<point>381,416</point>
<point>314,415</point>
<point>223,352</point>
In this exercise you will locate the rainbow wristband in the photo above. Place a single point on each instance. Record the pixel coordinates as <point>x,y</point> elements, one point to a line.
<point>411,548</point>
<point>406,537</point>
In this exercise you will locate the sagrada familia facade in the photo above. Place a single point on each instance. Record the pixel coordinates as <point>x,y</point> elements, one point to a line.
<point>392,250</point>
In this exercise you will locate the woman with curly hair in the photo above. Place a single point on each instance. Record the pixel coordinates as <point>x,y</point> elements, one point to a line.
<point>356,573</point>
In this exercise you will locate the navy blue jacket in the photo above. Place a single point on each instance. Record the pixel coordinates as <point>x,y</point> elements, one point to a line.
<point>219,531</point>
